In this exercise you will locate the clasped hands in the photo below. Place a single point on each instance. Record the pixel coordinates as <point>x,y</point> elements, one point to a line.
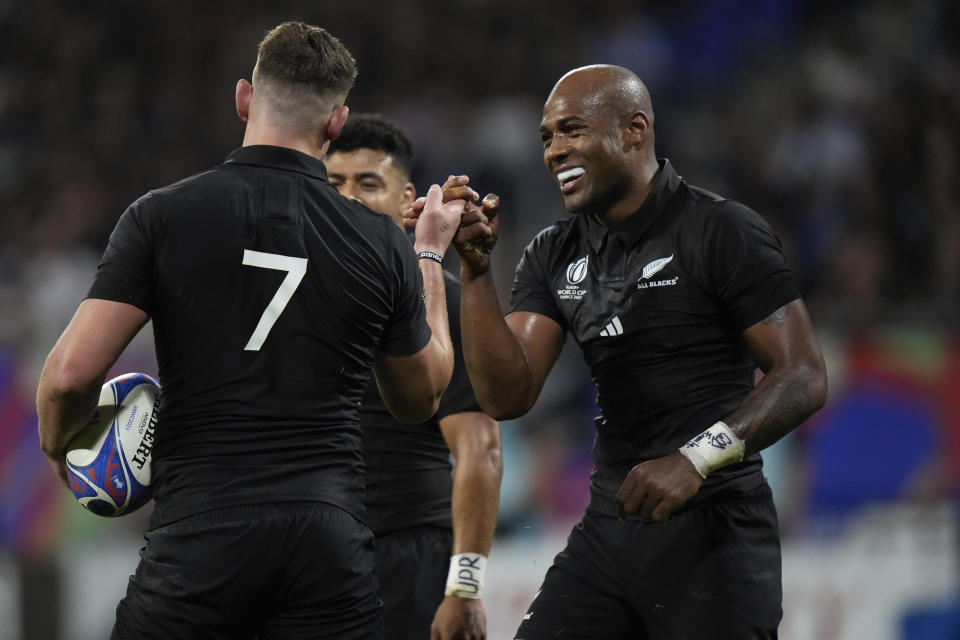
<point>450,213</point>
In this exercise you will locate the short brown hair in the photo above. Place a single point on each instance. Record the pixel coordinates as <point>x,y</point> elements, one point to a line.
<point>301,57</point>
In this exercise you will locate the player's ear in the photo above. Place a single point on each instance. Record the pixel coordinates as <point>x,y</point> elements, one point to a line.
<point>636,128</point>
<point>409,195</point>
<point>338,117</point>
<point>243,96</point>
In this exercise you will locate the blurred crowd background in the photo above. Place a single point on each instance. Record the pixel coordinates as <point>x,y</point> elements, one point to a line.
<point>839,121</point>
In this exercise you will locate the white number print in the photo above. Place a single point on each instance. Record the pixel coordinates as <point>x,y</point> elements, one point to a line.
<point>295,268</point>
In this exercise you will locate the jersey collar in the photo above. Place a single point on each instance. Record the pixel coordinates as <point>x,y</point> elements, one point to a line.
<point>261,155</point>
<point>631,229</point>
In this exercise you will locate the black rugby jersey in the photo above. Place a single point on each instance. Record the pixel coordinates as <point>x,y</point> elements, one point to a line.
<point>658,304</point>
<point>409,479</point>
<point>270,294</point>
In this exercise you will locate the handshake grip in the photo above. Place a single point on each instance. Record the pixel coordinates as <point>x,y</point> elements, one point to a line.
<point>437,218</point>
<point>479,228</point>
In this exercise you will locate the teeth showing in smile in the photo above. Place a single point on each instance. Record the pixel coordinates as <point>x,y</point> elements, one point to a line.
<point>569,174</point>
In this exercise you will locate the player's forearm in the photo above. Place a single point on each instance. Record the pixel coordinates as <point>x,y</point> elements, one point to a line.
<point>70,382</point>
<point>435,301</point>
<point>474,441</point>
<point>476,495</point>
<point>784,398</point>
<point>496,362</point>
<point>793,387</point>
<point>64,406</point>
<point>411,386</point>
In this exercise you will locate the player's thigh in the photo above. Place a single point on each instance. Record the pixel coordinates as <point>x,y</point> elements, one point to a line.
<point>328,588</point>
<point>582,594</point>
<point>412,567</point>
<point>722,574</point>
<point>194,581</point>
<point>568,608</point>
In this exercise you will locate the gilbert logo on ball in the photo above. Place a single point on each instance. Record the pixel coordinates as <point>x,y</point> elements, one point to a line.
<point>108,462</point>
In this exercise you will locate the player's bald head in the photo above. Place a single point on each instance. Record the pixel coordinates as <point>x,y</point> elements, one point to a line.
<point>598,141</point>
<point>597,87</point>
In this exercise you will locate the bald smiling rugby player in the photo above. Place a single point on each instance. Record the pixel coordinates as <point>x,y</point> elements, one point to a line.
<point>675,296</point>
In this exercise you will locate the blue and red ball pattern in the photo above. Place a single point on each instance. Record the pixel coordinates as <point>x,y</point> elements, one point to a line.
<point>107,486</point>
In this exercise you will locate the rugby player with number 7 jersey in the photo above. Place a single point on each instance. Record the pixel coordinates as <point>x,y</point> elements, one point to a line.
<point>272,297</point>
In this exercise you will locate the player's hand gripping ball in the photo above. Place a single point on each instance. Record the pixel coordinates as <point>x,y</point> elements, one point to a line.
<point>108,462</point>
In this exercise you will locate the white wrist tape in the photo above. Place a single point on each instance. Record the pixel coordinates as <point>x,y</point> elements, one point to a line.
<point>465,579</point>
<point>716,447</point>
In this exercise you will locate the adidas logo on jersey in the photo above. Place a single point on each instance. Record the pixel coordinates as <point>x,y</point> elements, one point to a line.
<point>613,328</point>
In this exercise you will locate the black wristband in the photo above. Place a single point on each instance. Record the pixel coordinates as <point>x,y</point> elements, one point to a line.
<point>431,255</point>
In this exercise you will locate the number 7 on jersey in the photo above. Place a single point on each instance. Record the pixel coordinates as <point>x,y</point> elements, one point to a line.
<point>295,268</point>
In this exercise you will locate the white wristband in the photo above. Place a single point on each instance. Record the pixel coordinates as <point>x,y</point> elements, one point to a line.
<point>716,447</point>
<point>465,579</point>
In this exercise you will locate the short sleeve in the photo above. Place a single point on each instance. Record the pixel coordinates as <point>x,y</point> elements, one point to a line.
<point>747,265</point>
<point>531,288</point>
<point>459,396</point>
<point>407,330</point>
<point>126,270</point>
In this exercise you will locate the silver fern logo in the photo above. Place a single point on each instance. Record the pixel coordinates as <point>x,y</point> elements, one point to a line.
<point>577,271</point>
<point>652,269</point>
<point>654,266</point>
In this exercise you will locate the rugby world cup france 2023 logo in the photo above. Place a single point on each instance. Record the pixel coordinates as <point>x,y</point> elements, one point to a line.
<point>577,271</point>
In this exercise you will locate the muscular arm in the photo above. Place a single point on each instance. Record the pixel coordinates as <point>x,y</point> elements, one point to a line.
<point>411,386</point>
<point>508,358</point>
<point>794,386</point>
<point>474,441</point>
<point>75,370</point>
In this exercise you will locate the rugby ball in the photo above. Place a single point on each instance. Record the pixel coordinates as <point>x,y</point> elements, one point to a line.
<point>108,462</point>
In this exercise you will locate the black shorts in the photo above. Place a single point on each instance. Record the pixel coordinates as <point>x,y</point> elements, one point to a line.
<point>712,571</point>
<point>412,567</point>
<point>270,572</point>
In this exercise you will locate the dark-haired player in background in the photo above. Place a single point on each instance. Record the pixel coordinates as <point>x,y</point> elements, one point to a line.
<point>271,296</point>
<point>408,466</point>
<point>675,295</point>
